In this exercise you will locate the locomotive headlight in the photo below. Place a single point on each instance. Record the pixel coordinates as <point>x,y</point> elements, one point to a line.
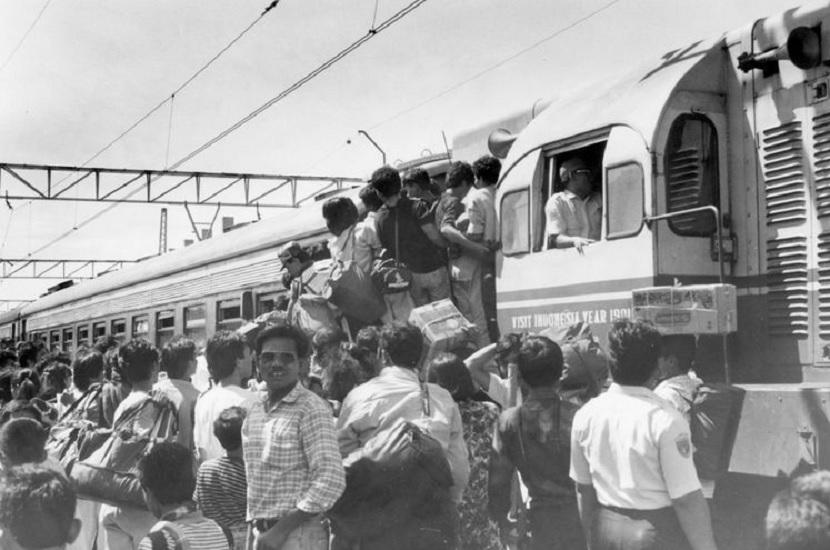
<point>804,47</point>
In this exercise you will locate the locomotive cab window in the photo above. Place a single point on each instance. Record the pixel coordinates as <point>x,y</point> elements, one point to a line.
<point>54,340</point>
<point>515,205</point>
<point>568,200</point>
<point>691,168</point>
<point>625,200</point>
<point>98,330</point>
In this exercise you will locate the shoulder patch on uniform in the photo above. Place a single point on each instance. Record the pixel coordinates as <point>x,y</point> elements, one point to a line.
<point>684,445</point>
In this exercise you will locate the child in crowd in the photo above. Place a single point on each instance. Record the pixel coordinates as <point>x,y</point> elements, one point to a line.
<point>37,509</point>
<point>221,485</point>
<point>166,474</point>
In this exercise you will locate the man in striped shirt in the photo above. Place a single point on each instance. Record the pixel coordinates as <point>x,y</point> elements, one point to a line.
<point>292,460</point>
<point>166,475</point>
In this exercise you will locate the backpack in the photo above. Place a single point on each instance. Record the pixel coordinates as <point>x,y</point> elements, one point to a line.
<point>69,435</point>
<point>713,419</point>
<point>585,369</point>
<point>110,473</point>
<point>399,474</point>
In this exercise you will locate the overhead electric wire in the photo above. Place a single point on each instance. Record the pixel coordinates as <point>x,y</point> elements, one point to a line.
<point>397,16</point>
<point>496,65</point>
<point>25,35</point>
<point>300,83</point>
<point>172,94</point>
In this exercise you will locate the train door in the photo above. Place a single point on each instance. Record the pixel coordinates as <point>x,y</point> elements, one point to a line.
<point>692,172</point>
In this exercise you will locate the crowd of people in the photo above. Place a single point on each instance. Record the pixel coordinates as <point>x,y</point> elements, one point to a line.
<point>362,435</point>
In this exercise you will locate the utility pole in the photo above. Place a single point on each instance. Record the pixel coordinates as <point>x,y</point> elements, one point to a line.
<point>163,232</point>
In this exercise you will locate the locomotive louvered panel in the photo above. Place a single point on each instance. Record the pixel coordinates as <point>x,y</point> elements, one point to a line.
<point>684,186</point>
<point>824,285</point>
<point>784,184</point>
<point>821,158</point>
<point>787,300</point>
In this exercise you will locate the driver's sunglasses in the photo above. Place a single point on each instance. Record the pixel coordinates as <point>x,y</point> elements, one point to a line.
<point>583,171</point>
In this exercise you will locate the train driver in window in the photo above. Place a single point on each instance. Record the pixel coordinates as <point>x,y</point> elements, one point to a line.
<point>574,215</point>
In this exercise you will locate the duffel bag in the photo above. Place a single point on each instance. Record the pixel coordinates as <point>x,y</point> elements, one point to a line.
<point>110,473</point>
<point>351,290</point>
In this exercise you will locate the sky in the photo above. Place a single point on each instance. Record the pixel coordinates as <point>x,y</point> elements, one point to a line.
<point>88,69</point>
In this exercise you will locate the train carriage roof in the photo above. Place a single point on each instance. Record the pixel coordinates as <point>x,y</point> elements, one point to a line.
<point>268,233</point>
<point>636,100</point>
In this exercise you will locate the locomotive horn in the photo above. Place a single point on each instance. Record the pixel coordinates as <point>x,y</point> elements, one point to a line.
<point>803,48</point>
<point>500,141</point>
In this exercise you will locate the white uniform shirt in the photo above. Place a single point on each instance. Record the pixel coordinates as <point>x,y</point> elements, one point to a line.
<point>571,216</point>
<point>634,448</point>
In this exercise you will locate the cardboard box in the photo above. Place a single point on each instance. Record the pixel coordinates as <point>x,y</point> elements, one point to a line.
<point>692,309</point>
<point>443,326</point>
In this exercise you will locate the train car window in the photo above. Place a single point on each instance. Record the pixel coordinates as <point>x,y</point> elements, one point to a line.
<point>195,324</point>
<point>66,343</point>
<point>54,340</point>
<point>141,326</point>
<point>165,326</point>
<point>268,302</point>
<point>98,330</point>
<point>228,314</point>
<point>692,174</point>
<point>83,335</point>
<point>118,328</point>
<point>625,200</point>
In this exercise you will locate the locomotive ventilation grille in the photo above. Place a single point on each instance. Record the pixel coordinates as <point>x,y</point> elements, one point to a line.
<point>787,300</point>
<point>784,187</point>
<point>824,285</point>
<point>685,182</point>
<point>821,148</point>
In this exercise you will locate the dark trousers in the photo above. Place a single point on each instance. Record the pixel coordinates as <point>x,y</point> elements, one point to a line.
<point>555,526</point>
<point>623,529</point>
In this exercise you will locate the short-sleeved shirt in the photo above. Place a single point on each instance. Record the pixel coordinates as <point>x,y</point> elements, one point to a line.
<point>184,396</point>
<point>452,211</point>
<point>571,216</point>
<point>291,456</point>
<point>208,408</point>
<point>396,394</point>
<point>416,250</point>
<point>680,391</point>
<point>634,448</point>
<point>481,211</point>
<point>366,242</point>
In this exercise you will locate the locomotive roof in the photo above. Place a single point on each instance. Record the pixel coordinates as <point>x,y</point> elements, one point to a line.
<point>636,100</point>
